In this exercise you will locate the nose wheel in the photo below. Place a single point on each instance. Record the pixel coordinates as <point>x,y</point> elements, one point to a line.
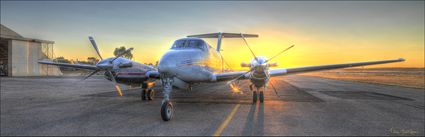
<point>167,111</point>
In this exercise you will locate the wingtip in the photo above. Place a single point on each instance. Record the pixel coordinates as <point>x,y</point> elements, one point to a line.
<point>401,59</point>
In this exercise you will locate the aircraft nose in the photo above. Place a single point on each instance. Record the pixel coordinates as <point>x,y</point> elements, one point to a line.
<point>166,64</point>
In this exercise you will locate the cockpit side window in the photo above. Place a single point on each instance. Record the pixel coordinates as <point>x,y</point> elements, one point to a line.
<point>179,44</point>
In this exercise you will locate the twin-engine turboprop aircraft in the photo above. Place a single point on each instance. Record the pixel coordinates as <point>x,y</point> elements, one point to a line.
<point>192,60</point>
<point>119,70</point>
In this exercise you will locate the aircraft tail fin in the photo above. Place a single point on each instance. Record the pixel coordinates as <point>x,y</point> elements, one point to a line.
<point>221,35</point>
<point>224,35</point>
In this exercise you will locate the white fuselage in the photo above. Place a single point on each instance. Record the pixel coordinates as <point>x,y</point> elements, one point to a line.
<point>191,60</point>
<point>198,63</point>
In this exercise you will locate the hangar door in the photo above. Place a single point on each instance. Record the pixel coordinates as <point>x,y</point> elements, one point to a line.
<point>4,57</point>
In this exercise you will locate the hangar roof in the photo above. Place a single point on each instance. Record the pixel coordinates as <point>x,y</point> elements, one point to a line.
<point>7,33</point>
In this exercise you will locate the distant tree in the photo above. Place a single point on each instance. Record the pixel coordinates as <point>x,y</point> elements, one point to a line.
<point>83,62</point>
<point>92,60</point>
<point>120,50</point>
<point>61,60</point>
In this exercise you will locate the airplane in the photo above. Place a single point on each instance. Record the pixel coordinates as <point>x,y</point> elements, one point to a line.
<point>118,70</point>
<point>192,60</point>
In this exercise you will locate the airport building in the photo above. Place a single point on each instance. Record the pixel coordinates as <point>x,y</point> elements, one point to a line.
<point>19,55</point>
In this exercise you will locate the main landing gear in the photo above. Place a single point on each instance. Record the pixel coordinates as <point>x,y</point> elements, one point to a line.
<point>260,96</point>
<point>255,95</point>
<point>147,92</point>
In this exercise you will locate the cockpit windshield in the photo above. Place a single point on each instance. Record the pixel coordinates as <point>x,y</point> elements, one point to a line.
<point>184,44</point>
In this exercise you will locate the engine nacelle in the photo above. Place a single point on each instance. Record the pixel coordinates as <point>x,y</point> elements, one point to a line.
<point>243,64</point>
<point>125,65</point>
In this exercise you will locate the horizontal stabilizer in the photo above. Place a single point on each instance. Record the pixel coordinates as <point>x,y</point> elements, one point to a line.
<point>224,35</point>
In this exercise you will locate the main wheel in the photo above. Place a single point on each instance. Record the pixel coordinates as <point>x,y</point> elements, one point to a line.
<point>150,94</point>
<point>167,111</point>
<point>254,97</point>
<point>143,94</point>
<point>261,96</point>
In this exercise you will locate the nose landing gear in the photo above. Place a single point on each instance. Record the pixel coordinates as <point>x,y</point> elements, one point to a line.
<point>167,109</point>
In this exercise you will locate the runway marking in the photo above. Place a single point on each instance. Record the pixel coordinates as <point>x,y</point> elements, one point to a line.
<point>226,121</point>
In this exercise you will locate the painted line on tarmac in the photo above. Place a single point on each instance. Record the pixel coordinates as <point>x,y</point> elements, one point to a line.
<point>226,121</point>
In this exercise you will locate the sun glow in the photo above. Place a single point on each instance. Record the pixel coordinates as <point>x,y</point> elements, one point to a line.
<point>235,88</point>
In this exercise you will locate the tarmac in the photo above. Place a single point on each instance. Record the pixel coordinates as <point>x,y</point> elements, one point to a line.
<point>294,105</point>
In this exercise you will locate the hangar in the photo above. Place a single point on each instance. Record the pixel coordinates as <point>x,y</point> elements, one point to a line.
<point>19,55</point>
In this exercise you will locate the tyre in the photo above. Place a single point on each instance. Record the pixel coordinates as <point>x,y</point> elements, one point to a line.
<point>143,94</point>
<point>261,96</point>
<point>167,111</point>
<point>254,97</point>
<point>150,94</point>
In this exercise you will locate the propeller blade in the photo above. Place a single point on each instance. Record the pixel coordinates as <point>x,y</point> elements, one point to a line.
<point>246,43</point>
<point>115,82</point>
<point>274,89</point>
<point>91,74</point>
<point>279,53</point>
<point>93,43</point>
<point>237,78</point>
<point>123,53</point>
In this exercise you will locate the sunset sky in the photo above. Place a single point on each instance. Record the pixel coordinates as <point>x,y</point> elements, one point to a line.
<point>324,32</point>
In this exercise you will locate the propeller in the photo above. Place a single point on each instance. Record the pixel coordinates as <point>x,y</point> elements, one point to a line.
<point>256,59</point>
<point>100,66</point>
<point>279,53</point>
<point>91,74</point>
<point>252,69</point>
<point>240,76</point>
<point>115,83</point>
<point>93,43</point>
<point>274,89</point>
<point>246,43</point>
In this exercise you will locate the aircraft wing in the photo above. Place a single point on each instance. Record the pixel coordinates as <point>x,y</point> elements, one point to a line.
<point>279,72</point>
<point>229,76</point>
<point>287,71</point>
<point>80,66</point>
